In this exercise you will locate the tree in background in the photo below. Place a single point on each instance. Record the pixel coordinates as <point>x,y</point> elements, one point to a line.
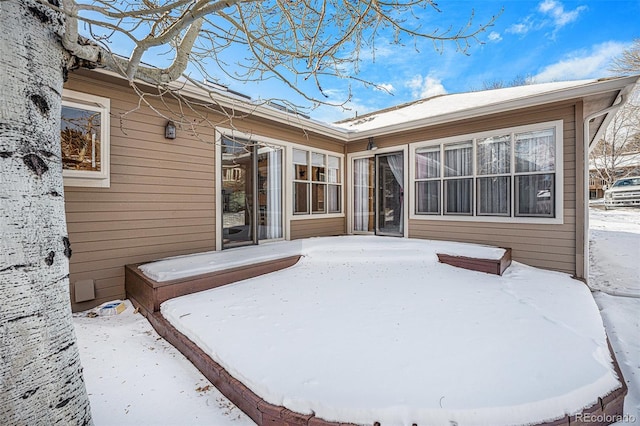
<point>519,80</point>
<point>41,376</point>
<point>629,61</point>
<point>610,158</point>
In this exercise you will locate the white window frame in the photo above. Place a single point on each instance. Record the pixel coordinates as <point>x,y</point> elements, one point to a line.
<point>310,182</point>
<point>557,125</point>
<point>287,176</point>
<point>87,178</point>
<point>350,191</point>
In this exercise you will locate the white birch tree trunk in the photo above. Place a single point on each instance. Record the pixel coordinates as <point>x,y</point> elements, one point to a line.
<point>41,378</point>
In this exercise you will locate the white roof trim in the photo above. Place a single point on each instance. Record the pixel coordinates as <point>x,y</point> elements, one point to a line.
<point>589,88</point>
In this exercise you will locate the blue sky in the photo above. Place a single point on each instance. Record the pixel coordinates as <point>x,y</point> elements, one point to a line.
<point>546,40</point>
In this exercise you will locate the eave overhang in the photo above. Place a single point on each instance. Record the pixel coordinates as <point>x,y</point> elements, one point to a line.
<point>236,104</point>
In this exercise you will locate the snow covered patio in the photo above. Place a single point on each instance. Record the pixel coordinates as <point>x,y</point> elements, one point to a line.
<point>373,329</point>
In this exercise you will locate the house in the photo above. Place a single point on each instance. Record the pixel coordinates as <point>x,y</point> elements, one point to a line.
<point>505,168</point>
<point>625,165</point>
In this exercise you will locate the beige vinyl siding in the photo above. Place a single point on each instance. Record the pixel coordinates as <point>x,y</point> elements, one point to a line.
<point>324,227</point>
<point>162,197</point>
<point>530,244</point>
<point>161,201</point>
<point>541,245</point>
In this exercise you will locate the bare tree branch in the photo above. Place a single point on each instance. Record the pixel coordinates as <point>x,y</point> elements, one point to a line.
<point>620,139</point>
<point>291,41</point>
<point>629,61</point>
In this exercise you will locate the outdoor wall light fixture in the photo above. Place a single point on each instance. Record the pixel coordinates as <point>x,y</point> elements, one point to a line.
<point>371,146</point>
<point>170,130</point>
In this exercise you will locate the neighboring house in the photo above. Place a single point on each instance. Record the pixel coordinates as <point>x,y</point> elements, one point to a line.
<point>625,165</point>
<point>504,167</point>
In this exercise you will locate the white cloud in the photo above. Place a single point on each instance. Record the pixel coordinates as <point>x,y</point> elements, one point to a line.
<point>521,28</point>
<point>383,49</point>
<point>385,87</point>
<point>425,87</point>
<point>551,14</point>
<point>495,36</point>
<point>582,64</point>
<point>561,17</point>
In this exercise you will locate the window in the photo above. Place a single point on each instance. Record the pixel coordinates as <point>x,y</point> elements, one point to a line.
<point>84,139</point>
<point>428,180</point>
<point>316,187</point>
<point>503,174</point>
<point>535,156</point>
<point>458,175</point>
<point>494,176</point>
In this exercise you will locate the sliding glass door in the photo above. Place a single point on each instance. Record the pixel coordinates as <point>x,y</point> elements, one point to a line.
<point>363,195</point>
<point>390,194</point>
<point>269,193</point>
<point>378,194</point>
<point>238,194</point>
<point>251,193</point>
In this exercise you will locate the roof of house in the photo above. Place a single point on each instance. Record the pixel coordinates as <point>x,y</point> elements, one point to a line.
<point>421,113</point>
<point>624,160</point>
<point>444,108</point>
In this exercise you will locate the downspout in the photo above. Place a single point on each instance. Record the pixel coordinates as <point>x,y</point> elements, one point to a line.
<point>587,149</point>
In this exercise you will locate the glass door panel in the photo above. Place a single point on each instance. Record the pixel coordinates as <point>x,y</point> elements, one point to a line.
<point>363,195</point>
<point>390,194</point>
<point>238,189</point>
<point>269,193</point>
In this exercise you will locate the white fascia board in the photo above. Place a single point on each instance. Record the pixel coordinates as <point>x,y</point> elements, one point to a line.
<point>345,135</point>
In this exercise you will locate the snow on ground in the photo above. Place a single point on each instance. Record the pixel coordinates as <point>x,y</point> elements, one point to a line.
<point>620,315</point>
<point>615,263</point>
<point>367,329</point>
<point>194,264</point>
<point>201,263</point>
<point>615,250</point>
<point>134,377</point>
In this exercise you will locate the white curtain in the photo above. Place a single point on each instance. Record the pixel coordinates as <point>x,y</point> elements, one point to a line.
<point>396,164</point>
<point>333,199</point>
<point>494,155</point>
<point>494,195</point>
<point>536,195</point>
<point>428,196</point>
<point>333,191</point>
<point>361,180</point>
<point>274,195</point>
<point>494,158</point>
<point>428,163</point>
<point>535,152</point>
<point>428,192</point>
<point>459,162</point>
